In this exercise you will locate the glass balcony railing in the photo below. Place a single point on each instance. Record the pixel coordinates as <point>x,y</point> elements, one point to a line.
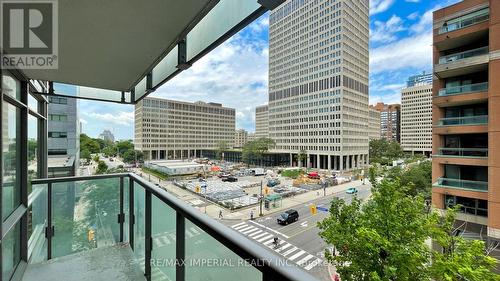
<point>464,55</point>
<point>465,21</point>
<point>469,120</point>
<point>463,152</point>
<point>462,184</point>
<point>170,239</point>
<point>471,88</point>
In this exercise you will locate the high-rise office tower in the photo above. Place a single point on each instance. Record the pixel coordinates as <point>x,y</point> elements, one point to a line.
<point>424,78</point>
<point>373,123</point>
<point>318,81</point>
<point>416,118</point>
<point>390,121</point>
<point>63,141</point>
<point>466,98</point>
<point>262,121</point>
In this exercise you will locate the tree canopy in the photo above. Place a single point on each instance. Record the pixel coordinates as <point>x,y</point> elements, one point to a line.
<point>384,152</point>
<point>255,150</point>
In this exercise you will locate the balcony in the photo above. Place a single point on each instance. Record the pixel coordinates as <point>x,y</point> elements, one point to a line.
<point>464,89</point>
<point>460,121</point>
<point>120,224</point>
<point>462,63</point>
<point>465,21</point>
<point>463,152</point>
<point>462,184</point>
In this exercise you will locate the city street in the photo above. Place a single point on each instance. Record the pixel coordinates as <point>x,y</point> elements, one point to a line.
<point>299,241</point>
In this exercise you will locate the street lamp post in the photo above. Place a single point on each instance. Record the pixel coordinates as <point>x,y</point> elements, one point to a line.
<point>260,199</point>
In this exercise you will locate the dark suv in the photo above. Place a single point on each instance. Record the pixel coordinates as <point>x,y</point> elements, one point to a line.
<point>288,217</point>
<point>230,179</point>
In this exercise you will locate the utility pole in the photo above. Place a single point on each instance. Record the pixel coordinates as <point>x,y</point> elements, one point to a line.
<point>260,199</point>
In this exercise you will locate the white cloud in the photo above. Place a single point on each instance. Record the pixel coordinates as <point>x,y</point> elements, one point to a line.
<point>83,121</point>
<point>410,52</point>
<point>386,31</point>
<point>119,118</point>
<point>234,74</point>
<point>412,1</point>
<point>379,6</point>
<point>413,16</point>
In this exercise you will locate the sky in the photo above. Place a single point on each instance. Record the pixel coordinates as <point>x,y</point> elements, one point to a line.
<point>236,73</point>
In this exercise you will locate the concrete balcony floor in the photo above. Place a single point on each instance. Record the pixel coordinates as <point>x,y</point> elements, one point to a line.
<point>108,263</point>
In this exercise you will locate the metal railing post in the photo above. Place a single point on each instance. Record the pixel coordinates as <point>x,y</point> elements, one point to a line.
<point>149,241</point>
<point>49,229</point>
<point>131,212</point>
<point>121,215</point>
<point>180,247</point>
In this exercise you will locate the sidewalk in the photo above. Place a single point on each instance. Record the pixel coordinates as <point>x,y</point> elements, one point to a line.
<point>244,213</point>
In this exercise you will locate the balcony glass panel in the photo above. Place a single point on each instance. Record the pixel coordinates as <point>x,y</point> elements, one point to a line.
<point>89,93</point>
<point>223,17</point>
<point>471,88</point>
<point>469,120</point>
<point>166,67</point>
<point>126,207</point>
<point>463,184</point>
<point>463,55</point>
<point>208,259</point>
<point>163,235</point>
<point>140,224</point>
<point>465,21</point>
<point>85,215</point>
<point>11,191</point>
<point>464,152</point>
<point>37,244</point>
<point>11,251</point>
<point>140,89</point>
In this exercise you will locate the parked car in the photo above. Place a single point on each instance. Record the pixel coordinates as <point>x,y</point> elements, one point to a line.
<point>273,182</point>
<point>313,175</point>
<point>230,179</point>
<point>351,190</point>
<point>288,217</point>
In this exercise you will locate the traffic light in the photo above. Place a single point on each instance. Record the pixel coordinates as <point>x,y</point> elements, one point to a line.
<point>313,209</point>
<point>266,190</point>
<point>91,235</point>
<point>197,189</point>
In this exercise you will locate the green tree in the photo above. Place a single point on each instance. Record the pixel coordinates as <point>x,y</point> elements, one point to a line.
<point>419,178</point>
<point>109,151</point>
<point>85,154</point>
<point>221,147</point>
<point>102,168</point>
<point>88,143</point>
<point>372,175</point>
<point>96,158</point>
<point>384,152</point>
<point>130,156</point>
<point>124,146</point>
<point>301,157</point>
<point>256,149</point>
<point>383,239</point>
<point>459,259</point>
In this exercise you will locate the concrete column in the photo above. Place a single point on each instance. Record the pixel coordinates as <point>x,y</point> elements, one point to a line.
<point>335,162</point>
<point>329,162</point>
<point>341,164</point>
<point>308,160</point>
<point>174,154</point>
<point>318,161</point>
<point>291,160</point>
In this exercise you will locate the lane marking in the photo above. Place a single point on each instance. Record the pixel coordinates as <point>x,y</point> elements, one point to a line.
<point>268,242</point>
<point>245,228</point>
<point>246,232</point>
<point>260,235</point>
<point>300,253</point>
<point>270,229</point>
<point>283,248</point>
<point>313,264</point>
<point>303,224</point>
<point>290,251</point>
<point>304,260</point>
<point>238,224</point>
<point>240,227</point>
<point>265,238</point>
<point>255,233</point>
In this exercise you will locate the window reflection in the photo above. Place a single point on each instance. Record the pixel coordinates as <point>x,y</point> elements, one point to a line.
<point>11,152</point>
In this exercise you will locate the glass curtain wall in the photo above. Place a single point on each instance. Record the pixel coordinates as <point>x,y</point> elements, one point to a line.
<point>23,159</point>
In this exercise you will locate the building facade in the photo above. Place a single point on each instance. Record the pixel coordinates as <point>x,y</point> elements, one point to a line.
<point>240,138</point>
<point>107,136</point>
<point>262,121</point>
<point>373,123</point>
<point>63,145</point>
<point>466,166</point>
<point>416,119</point>
<point>318,82</point>
<point>424,78</point>
<point>390,121</point>
<point>167,129</point>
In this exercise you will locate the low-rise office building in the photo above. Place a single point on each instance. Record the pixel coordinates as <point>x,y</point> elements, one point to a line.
<point>262,121</point>
<point>240,138</point>
<point>168,129</point>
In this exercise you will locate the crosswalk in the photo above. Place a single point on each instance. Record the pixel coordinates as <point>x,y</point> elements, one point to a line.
<point>300,257</point>
<point>168,237</point>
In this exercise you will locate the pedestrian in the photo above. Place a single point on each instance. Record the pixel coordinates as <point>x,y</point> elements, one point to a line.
<point>336,278</point>
<point>220,214</point>
<point>251,215</point>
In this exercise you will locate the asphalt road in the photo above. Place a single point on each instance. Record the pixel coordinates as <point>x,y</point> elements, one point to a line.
<point>300,242</point>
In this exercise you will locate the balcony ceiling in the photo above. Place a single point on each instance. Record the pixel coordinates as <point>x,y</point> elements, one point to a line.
<point>112,44</point>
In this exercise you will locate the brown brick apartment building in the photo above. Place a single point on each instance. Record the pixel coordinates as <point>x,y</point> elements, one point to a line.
<point>390,121</point>
<point>466,112</point>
